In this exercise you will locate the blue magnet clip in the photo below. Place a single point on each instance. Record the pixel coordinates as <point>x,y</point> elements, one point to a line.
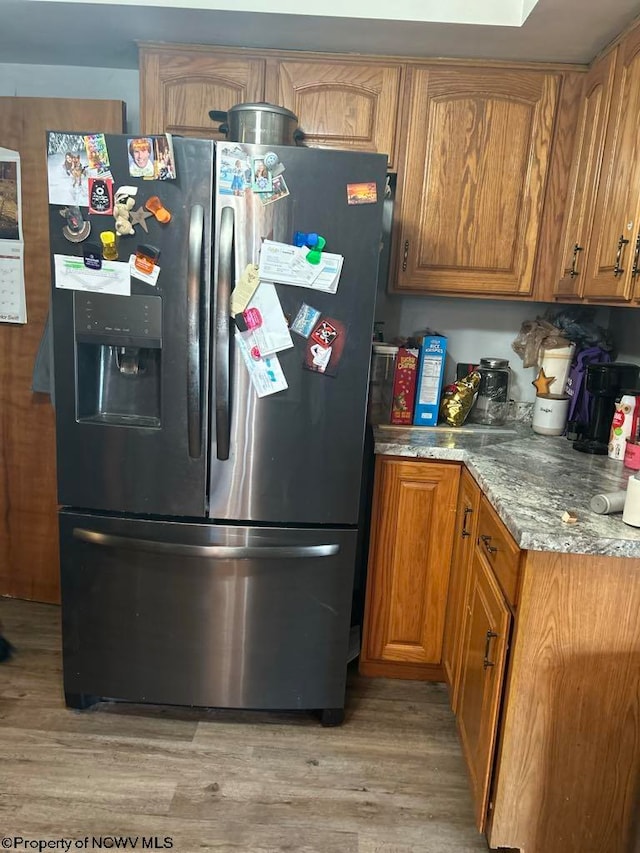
<point>302,238</point>
<point>312,241</point>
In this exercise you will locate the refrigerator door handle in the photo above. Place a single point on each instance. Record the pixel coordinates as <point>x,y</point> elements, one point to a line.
<point>222,321</point>
<point>219,552</point>
<point>194,378</point>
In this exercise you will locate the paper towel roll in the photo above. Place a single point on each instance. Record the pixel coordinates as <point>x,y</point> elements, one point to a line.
<point>631,513</point>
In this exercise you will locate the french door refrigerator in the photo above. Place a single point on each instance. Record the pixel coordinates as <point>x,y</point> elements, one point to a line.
<point>208,535</point>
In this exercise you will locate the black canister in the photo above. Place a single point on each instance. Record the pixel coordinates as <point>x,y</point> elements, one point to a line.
<point>493,394</point>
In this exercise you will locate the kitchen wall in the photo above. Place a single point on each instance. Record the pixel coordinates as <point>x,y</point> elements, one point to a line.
<point>69,81</point>
<point>475,328</point>
<point>625,324</point>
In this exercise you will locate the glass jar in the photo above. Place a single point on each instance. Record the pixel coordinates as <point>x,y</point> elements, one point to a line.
<point>383,364</point>
<point>493,393</point>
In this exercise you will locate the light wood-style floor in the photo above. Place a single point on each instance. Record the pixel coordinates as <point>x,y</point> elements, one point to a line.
<point>390,780</point>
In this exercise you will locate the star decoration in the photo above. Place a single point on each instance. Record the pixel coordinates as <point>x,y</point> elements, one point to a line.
<point>139,216</point>
<point>543,383</point>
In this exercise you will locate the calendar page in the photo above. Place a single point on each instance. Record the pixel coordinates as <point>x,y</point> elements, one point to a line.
<point>13,308</point>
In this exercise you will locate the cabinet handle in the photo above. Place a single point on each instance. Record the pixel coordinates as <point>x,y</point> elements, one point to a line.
<point>490,548</point>
<point>574,272</point>
<point>636,259</point>
<point>406,256</point>
<point>622,242</point>
<point>491,635</point>
<point>467,513</point>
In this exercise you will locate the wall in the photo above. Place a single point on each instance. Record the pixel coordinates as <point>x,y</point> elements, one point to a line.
<point>68,81</point>
<point>476,328</point>
<point>625,322</point>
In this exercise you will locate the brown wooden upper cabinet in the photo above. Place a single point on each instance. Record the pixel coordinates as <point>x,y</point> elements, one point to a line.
<point>585,174</point>
<point>473,179</point>
<point>612,271</point>
<point>178,87</point>
<point>341,104</point>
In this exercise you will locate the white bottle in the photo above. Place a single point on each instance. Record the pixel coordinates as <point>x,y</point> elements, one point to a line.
<point>631,514</point>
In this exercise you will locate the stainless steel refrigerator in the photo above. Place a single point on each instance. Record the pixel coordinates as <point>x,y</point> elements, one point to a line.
<point>208,536</point>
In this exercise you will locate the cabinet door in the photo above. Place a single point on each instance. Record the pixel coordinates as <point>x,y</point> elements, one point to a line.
<point>463,544</point>
<point>179,87</point>
<point>351,105</point>
<point>613,254</point>
<point>587,161</point>
<point>483,665</point>
<point>412,536</point>
<point>474,176</point>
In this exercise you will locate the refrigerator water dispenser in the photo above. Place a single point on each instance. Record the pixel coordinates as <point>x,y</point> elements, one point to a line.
<point>118,359</point>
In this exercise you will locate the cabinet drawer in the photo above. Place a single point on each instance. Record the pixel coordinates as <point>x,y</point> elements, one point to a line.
<point>498,547</point>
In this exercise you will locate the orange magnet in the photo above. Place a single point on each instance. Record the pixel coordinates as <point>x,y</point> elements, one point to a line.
<point>155,206</point>
<point>145,258</point>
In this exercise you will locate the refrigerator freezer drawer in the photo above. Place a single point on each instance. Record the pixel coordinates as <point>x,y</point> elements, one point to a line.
<point>200,614</point>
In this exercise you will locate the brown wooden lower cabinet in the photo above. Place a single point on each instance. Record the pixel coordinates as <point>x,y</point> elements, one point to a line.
<point>413,519</point>
<point>483,660</point>
<point>463,543</point>
<point>541,652</point>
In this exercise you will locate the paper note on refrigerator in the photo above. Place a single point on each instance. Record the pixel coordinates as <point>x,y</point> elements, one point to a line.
<point>273,333</point>
<point>244,289</point>
<point>286,264</point>
<point>71,274</point>
<point>266,374</point>
<point>329,277</point>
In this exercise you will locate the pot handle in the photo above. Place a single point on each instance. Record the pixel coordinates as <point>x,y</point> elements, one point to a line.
<point>298,135</point>
<point>220,115</point>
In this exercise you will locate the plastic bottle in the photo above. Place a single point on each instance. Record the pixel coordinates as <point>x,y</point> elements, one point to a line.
<point>609,502</point>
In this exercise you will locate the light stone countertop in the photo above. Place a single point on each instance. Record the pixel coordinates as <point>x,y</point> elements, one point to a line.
<point>530,480</point>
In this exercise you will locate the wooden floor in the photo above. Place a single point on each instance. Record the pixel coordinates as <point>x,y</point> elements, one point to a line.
<point>390,780</point>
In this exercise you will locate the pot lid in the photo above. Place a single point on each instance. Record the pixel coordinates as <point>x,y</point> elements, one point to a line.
<point>263,106</point>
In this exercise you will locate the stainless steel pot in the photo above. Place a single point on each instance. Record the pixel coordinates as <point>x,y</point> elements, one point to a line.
<point>262,124</point>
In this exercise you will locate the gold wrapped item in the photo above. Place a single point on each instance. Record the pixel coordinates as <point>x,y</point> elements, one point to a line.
<point>458,398</point>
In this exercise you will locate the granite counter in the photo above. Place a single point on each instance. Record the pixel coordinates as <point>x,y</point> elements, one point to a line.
<point>530,480</point>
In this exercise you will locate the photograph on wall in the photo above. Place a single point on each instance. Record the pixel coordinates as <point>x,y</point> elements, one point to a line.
<point>67,167</point>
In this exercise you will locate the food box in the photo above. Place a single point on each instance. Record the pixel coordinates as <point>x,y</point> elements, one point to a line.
<point>429,387</point>
<point>404,386</point>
